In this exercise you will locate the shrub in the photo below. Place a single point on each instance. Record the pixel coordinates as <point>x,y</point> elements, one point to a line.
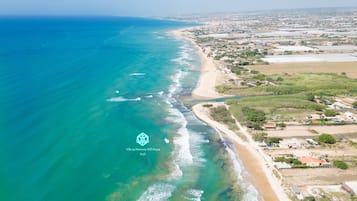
<point>221,114</point>
<point>259,137</point>
<point>326,139</point>
<point>281,125</point>
<point>354,104</point>
<point>207,105</point>
<point>260,77</point>
<point>255,118</point>
<point>309,198</point>
<point>340,164</point>
<point>275,140</point>
<point>279,159</point>
<point>280,79</point>
<point>330,113</point>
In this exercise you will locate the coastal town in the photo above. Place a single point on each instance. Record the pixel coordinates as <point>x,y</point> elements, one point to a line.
<point>289,84</point>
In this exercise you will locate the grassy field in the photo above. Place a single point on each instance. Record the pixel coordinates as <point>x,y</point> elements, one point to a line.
<point>327,84</point>
<point>350,68</point>
<point>291,100</point>
<point>282,107</point>
<point>318,84</point>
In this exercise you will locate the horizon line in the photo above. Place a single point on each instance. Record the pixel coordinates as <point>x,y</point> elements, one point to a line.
<point>166,16</point>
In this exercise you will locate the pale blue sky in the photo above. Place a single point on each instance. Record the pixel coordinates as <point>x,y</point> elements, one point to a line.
<point>156,7</point>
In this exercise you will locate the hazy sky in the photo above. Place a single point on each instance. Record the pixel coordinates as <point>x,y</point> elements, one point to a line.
<point>156,7</point>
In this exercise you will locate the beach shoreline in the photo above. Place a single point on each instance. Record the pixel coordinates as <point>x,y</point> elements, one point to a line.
<point>269,189</point>
<point>209,73</point>
<point>267,185</point>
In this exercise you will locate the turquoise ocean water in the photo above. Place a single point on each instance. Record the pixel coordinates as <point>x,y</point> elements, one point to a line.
<point>75,93</point>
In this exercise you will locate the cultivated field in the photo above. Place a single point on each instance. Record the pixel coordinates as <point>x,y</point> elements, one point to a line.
<point>350,68</point>
<point>310,131</point>
<point>318,176</point>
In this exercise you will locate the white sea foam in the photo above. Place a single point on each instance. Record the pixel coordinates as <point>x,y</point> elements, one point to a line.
<point>182,140</point>
<point>149,96</point>
<point>195,194</point>
<point>187,151</point>
<point>250,192</point>
<point>157,192</point>
<point>167,141</point>
<point>122,99</point>
<point>137,74</point>
<point>117,91</point>
<point>185,57</point>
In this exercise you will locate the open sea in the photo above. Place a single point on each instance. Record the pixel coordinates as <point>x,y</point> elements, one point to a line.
<point>75,92</point>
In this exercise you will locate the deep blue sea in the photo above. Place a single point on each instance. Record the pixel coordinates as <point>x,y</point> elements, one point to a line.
<point>75,92</point>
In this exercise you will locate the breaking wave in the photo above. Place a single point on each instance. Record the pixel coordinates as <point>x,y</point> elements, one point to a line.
<point>122,99</point>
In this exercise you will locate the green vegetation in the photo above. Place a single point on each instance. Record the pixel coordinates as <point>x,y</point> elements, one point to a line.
<point>281,125</point>
<point>310,97</point>
<point>313,131</point>
<point>317,84</point>
<point>237,70</point>
<point>207,105</point>
<point>221,114</point>
<point>250,54</point>
<point>340,164</point>
<point>274,140</point>
<point>354,104</point>
<point>254,118</point>
<point>279,79</point>
<point>292,97</point>
<point>295,163</point>
<point>259,137</point>
<point>260,77</point>
<point>285,106</point>
<point>309,198</point>
<point>326,139</point>
<point>330,113</point>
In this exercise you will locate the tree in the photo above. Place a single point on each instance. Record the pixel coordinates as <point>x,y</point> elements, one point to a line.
<point>326,139</point>
<point>330,113</point>
<point>340,164</point>
<point>274,140</point>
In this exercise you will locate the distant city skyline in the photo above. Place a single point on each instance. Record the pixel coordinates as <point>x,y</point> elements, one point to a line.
<point>155,7</point>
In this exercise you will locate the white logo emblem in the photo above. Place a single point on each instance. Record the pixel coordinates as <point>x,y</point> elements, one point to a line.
<point>142,139</point>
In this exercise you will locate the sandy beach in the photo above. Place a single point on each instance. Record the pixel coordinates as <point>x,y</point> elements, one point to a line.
<point>261,175</point>
<point>210,74</point>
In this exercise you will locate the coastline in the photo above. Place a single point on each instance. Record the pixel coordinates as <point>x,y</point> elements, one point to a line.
<point>267,185</point>
<point>210,74</point>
